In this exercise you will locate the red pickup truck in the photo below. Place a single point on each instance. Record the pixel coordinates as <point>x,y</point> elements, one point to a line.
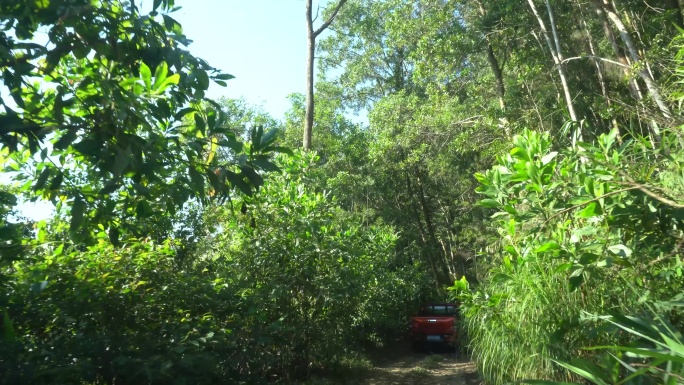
<point>435,323</point>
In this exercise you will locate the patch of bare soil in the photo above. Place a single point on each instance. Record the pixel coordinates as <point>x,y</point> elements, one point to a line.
<point>401,366</point>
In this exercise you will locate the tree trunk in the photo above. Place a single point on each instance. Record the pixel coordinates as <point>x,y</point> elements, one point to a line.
<point>311,38</point>
<point>309,118</point>
<point>592,51</point>
<point>493,62</point>
<point>557,58</point>
<point>498,75</point>
<point>636,59</point>
<point>423,235</point>
<point>434,243</point>
<point>619,52</point>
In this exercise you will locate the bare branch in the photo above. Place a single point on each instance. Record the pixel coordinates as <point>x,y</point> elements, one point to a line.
<point>327,23</point>
<point>596,58</point>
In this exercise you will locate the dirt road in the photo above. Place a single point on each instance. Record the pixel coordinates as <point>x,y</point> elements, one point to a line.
<point>404,367</point>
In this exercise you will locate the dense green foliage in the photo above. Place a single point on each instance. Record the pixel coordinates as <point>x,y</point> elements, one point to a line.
<point>291,285</point>
<point>146,274</point>
<point>576,229</point>
<point>527,155</point>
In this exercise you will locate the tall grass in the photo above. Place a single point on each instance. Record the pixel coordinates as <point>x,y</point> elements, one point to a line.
<point>572,240</point>
<point>533,319</point>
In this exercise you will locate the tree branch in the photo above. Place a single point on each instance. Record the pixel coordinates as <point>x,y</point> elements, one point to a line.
<point>596,58</point>
<point>327,23</point>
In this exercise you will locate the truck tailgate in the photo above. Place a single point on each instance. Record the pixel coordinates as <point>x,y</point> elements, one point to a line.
<point>433,325</point>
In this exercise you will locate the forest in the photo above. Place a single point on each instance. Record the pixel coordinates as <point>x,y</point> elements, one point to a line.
<point>522,158</point>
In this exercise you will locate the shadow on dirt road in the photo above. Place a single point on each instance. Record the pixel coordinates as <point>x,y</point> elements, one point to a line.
<point>401,366</point>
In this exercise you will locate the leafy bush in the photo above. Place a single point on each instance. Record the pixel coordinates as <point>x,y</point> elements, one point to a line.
<point>288,286</point>
<point>655,356</point>
<point>115,313</point>
<point>313,282</point>
<point>578,226</point>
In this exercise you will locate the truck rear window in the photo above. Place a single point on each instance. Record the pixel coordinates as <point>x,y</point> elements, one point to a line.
<point>438,310</point>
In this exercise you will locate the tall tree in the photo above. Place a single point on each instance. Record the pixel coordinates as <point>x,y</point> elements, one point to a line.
<point>645,75</point>
<point>493,61</point>
<point>311,38</point>
<point>555,53</point>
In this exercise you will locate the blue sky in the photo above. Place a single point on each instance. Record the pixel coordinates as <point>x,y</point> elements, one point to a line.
<point>261,42</point>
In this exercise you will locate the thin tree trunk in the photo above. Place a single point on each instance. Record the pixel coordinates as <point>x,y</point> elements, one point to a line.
<point>636,59</point>
<point>592,50</point>
<point>619,53</point>
<point>493,62</point>
<point>423,236</point>
<point>498,75</point>
<point>311,40</point>
<point>594,55</point>
<point>557,59</point>
<point>428,220</point>
<point>309,119</point>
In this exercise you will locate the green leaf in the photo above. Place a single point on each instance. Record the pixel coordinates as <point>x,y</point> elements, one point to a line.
<point>549,157</point>
<point>552,245</point>
<point>200,124</point>
<point>77,213</point>
<point>156,4</point>
<point>180,114</point>
<point>114,235</point>
<point>264,164</point>
<point>501,278</point>
<point>563,267</point>
<point>237,181</point>
<point>231,143</point>
<point>593,209</point>
<point>576,281</point>
<point>171,80</point>
<point>42,179</point>
<point>8,199</point>
<point>88,147</point>
<point>224,77</point>
<point>143,210</point>
<point>9,335</point>
<point>268,138</point>
<point>172,25</point>
<point>109,188</point>
<point>489,203</point>
<point>256,179</point>
<point>588,258</point>
<point>202,79</point>
<point>146,75</point>
<point>280,149</point>
<point>57,181</point>
<point>510,209</point>
<point>196,179</point>
<point>532,171</point>
<point>519,153</point>
<point>586,369</point>
<point>121,161</point>
<point>160,74</point>
<point>620,250</point>
<point>65,140</point>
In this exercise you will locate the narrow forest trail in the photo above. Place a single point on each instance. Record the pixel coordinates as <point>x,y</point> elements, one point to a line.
<point>401,366</point>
